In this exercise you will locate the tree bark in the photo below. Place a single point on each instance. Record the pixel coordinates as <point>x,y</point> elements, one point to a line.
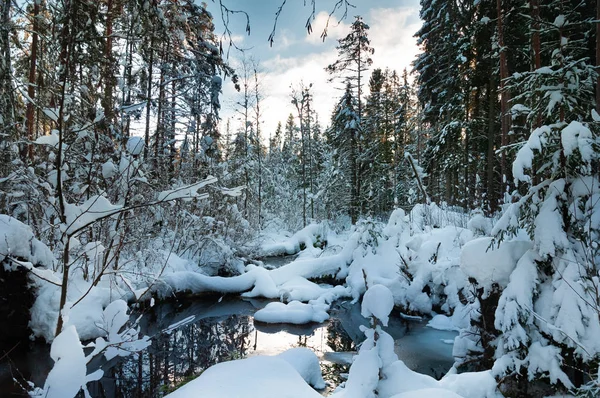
<point>107,101</point>
<point>7,100</point>
<point>598,55</point>
<point>67,41</point>
<point>504,97</point>
<point>30,112</point>
<point>491,138</point>
<point>148,100</point>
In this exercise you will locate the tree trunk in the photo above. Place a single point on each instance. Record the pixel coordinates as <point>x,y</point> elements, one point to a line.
<point>598,55</point>
<point>7,100</point>
<point>148,100</point>
<point>108,77</point>
<point>491,138</point>
<point>30,112</point>
<point>67,42</point>
<point>504,97</point>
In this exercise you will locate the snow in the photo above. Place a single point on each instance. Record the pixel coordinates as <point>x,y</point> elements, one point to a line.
<point>68,376</point>
<point>52,113</point>
<point>187,192</point>
<point>399,379</point>
<point>135,145</point>
<point>489,263</point>
<point>109,169</point>
<point>428,392</point>
<point>294,312</point>
<point>442,322</point>
<point>306,237</point>
<point>559,21</point>
<point>50,139</point>
<point>378,301</point>
<point>17,241</point>
<point>519,109</point>
<point>90,211</point>
<point>547,358</point>
<point>254,377</point>
<point>429,255</point>
<point>306,364</point>
<point>548,225</point>
<point>577,136</point>
<point>363,376</point>
<point>120,343</point>
<point>524,158</point>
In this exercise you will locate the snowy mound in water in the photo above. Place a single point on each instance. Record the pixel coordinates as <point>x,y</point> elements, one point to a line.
<point>255,377</point>
<point>442,322</point>
<point>378,302</point>
<point>294,312</point>
<point>491,264</point>
<point>17,241</point>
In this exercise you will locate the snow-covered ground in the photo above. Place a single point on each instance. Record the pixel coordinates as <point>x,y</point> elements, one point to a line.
<point>406,263</point>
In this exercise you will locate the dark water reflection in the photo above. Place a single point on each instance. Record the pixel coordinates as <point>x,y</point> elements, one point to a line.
<point>215,335</point>
<point>214,330</point>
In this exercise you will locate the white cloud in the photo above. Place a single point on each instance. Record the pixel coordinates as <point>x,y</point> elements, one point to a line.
<point>391,35</point>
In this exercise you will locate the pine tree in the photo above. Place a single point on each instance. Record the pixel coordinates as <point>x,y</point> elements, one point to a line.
<point>343,137</point>
<point>555,311</point>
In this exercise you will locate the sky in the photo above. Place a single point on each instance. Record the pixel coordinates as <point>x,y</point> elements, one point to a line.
<point>298,57</point>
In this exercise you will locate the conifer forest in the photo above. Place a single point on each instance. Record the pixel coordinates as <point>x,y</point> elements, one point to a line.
<point>296,199</point>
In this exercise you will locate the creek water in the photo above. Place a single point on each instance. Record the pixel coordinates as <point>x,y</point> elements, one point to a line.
<point>217,329</point>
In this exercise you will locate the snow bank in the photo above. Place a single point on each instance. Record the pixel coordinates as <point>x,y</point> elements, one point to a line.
<point>294,312</point>
<point>306,237</point>
<point>255,377</point>
<point>306,364</point>
<point>399,379</point>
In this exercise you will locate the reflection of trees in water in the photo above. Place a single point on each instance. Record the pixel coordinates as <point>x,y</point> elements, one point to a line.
<point>337,337</point>
<point>176,357</point>
<point>339,341</point>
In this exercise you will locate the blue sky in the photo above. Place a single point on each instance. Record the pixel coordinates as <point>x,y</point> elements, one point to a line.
<point>297,56</point>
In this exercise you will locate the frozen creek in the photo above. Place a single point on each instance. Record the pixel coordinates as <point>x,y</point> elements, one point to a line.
<point>191,335</point>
